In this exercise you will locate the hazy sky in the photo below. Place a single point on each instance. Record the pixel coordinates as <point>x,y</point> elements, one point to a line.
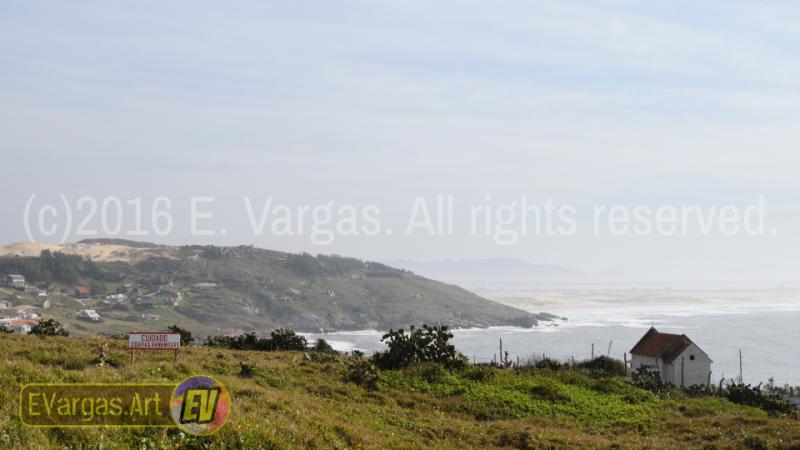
<point>588,103</point>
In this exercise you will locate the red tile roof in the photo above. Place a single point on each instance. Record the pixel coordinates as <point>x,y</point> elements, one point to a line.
<point>82,290</point>
<point>661,345</point>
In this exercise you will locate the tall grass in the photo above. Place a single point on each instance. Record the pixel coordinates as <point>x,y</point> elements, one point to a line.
<point>287,400</point>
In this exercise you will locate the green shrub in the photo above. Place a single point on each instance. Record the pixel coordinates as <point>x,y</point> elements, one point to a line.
<point>745,394</point>
<point>186,335</point>
<point>419,345</point>
<point>430,372</point>
<point>551,364</point>
<point>279,340</point>
<point>479,373</point>
<point>322,346</point>
<point>550,392</point>
<point>247,369</point>
<point>698,390</point>
<point>287,340</point>
<point>49,327</point>
<point>651,381</point>
<point>247,341</point>
<point>604,366</point>
<point>363,373</point>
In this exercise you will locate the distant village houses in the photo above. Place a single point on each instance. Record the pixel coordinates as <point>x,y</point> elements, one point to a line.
<point>15,282</point>
<point>133,293</point>
<point>89,315</point>
<point>22,326</point>
<point>26,312</point>
<point>78,292</point>
<point>121,297</point>
<point>674,357</point>
<point>20,319</point>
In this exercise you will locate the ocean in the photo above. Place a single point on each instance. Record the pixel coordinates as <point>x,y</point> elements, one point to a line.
<point>764,325</point>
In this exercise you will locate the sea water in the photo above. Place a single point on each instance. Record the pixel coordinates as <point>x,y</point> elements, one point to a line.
<point>767,334</point>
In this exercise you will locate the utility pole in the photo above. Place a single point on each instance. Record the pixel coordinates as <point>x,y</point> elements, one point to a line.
<point>741,380</point>
<point>592,350</point>
<point>502,358</point>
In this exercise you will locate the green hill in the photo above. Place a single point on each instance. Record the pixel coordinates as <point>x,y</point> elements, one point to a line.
<point>289,400</point>
<point>213,290</point>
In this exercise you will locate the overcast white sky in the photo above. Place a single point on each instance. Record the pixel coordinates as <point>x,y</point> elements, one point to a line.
<point>588,103</point>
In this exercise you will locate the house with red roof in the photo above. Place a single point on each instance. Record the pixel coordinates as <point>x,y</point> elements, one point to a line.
<point>78,292</point>
<point>23,326</point>
<point>674,357</point>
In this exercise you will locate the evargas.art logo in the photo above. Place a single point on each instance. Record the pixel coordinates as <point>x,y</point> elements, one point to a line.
<point>200,405</point>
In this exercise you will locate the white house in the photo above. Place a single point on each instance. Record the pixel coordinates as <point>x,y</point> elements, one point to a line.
<point>674,356</point>
<point>22,326</point>
<point>27,314</point>
<point>121,297</point>
<point>90,315</point>
<point>15,281</point>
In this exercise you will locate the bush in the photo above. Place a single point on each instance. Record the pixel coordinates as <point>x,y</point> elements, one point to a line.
<point>114,335</point>
<point>479,373</point>
<point>247,341</point>
<point>419,345</point>
<point>287,340</point>
<point>322,346</point>
<point>604,366</point>
<point>549,392</point>
<point>49,327</point>
<point>698,390</point>
<point>279,340</point>
<point>246,369</point>
<point>430,372</point>
<point>550,364</point>
<point>651,381</point>
<point>363,373</point>
<point>186,335</point>
<point>745,394</point>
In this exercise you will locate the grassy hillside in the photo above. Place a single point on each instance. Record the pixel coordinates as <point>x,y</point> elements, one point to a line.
<point>230,289</point>
<point>288,401</point>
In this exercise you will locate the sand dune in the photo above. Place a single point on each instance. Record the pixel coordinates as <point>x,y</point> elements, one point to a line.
<point>101,252</point>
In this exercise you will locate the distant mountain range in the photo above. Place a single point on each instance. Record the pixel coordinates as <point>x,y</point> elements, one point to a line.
<point>488,270</point>
<point>214,289</point>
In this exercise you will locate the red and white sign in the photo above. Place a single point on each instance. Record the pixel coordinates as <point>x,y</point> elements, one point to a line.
<point>154,341</point>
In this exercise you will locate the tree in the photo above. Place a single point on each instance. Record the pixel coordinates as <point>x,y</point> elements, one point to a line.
<point>280,340</point>
<point>323,346</point>
<point>186,335</point>
<point>49,327</point>
<point>285,339</point>
<point>419,345</point>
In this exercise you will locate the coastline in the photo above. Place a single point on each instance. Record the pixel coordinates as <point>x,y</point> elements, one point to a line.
<point>721,321</point>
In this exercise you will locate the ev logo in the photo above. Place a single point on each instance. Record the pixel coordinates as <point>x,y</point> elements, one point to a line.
<point>200,405</point>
